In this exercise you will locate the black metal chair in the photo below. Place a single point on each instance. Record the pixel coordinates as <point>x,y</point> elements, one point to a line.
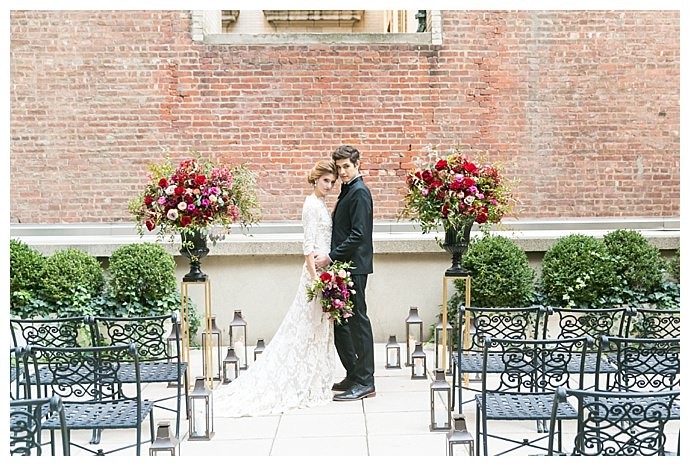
<point>615,423</point>
<point>17,373</point>
<point>642,365</point>
<point>91,384</point>
<point>653,323</point>
<point>592,322</point>
<point>65,332</point>
<point>158,362</point>
<point>26,424</point>
<point>505,322</point>
<point>523,389</point>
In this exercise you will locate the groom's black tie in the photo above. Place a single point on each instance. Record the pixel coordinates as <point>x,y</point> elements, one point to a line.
<point>344,188</point>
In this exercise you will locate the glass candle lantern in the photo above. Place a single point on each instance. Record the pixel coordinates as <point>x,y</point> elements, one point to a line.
<point>413,332</point>
<point>215,332</point>
<point>440,402</point>
<point>259,348</point>
<point>165,443</point>
<point>418,364</point>
<point>459,438</point>
<point>238,338</point>
<point>392,353</point>
<point>201,411</point>
<point>438,339</point>
<point>231,366</point>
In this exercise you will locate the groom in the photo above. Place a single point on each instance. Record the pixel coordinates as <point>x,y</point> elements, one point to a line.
<point>353,220</point>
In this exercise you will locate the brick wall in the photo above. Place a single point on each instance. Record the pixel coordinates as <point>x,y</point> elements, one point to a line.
<point>581,107</point>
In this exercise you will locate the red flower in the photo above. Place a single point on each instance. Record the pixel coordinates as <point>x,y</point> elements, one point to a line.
<point>441,165</point>
<point>163,183</point>
<point>148,200</point>
<point>150,225</point>
<point>455,186</point>
<point>179,190</point>
<point>444,211</point>
<point>427,176</point>
<point>200,179</point>
<point>325,277</point>
<point>481,217</point>
<point>185,220</point>
<point>469,167</point>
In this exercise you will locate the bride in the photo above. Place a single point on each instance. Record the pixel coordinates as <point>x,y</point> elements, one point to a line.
<point>297,366</point>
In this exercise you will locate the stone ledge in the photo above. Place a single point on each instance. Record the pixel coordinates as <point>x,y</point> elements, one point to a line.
<point>285,238</point>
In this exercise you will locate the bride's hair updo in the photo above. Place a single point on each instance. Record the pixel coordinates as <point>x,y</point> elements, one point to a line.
<point>323,167</point>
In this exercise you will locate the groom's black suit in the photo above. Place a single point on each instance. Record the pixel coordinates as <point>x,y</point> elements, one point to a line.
<point>353,220</point>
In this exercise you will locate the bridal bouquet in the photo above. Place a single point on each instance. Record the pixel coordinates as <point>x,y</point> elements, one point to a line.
<point>336,288</point>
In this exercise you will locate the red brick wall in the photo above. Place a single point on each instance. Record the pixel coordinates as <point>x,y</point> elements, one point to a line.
<point>582,107</point>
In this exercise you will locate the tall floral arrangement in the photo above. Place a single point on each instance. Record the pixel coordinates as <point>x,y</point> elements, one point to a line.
<point>196,195</point>
<point>449,190</point>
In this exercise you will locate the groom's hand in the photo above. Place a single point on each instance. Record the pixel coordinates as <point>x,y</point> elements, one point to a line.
<point>322,260</point>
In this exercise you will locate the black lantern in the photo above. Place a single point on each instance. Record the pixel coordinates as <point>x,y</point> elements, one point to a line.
<point>201,407</point>
<point>238,338</point>
<point>165,442</point>
<point>440,402</point>
<point>413,332</point>
<point>418,363</point>
<point>392,353</point>
<point>215,331</point>
<point>458,436</point>
<point>231,366</point>
<point>259,348</point>
<point>438,339</point>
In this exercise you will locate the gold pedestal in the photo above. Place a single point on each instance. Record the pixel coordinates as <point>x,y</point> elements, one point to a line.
<point>466,327</point>
<point>208,349</point>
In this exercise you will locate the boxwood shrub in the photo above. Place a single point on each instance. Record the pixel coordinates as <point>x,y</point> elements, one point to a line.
<point>637,262</point>
<point>69,272</point>
<point>577,271</point>
<point>142,272</point>
<point>27,268</point>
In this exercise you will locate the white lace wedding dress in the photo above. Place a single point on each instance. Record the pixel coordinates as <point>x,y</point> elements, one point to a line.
<point>296,369</point>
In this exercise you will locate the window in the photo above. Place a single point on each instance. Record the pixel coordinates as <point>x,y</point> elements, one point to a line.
<point>316,26</point>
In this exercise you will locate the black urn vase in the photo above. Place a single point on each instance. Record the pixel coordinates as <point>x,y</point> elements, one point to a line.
<point>194,248</point>
<point>456,241</point>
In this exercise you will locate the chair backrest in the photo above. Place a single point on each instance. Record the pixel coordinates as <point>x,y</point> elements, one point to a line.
<point>517,323</point>
<point>653,323</point>
<point>535,366</point>
<point>616,423</point>
<point>150,334</point>
<point>641,364</point>
<point>85,375</point>
<point>594,322</point>
<point>26,419</point>
<point>57,332</point>
<point>17,372</point>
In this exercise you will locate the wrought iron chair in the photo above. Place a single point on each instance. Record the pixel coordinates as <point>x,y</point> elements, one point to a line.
<point>17,373</point>
<point>653,323</point>
<point>158,362</point>
<point>642,365</point>
<point>90,382</point>
<point>592,322</point>
<point>616,423</point>
<point>26,424</point>
<point>504,322</point>
<point>65,332</point>
<point>531,371</point>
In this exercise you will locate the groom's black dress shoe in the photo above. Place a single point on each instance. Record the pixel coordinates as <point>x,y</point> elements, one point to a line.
<point>343,385</point>
<point>357,392</point>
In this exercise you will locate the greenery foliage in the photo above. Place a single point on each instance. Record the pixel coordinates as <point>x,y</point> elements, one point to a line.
<point>26,273</point>
<point>674,266</point>
<point>637,262</point>
<point>142,273</point>
<point>501,275</point>
<point>69,272</point>
<point>577,271</point>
